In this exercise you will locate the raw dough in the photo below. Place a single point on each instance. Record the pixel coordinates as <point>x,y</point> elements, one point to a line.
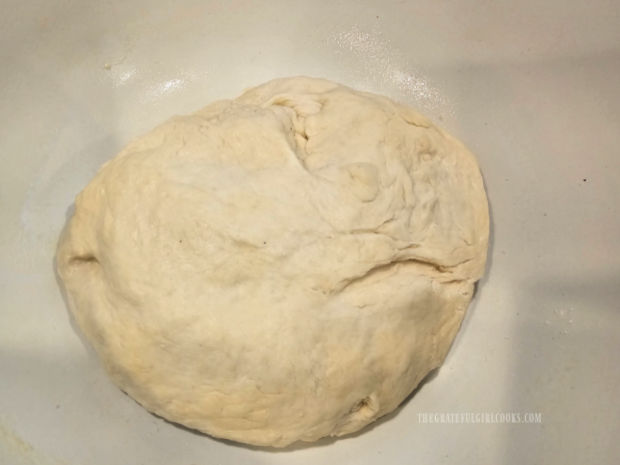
<point>280,267</point>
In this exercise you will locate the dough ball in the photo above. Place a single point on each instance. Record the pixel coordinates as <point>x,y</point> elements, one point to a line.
<point>280,267</point>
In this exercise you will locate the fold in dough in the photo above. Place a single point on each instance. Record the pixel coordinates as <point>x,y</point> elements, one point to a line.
<point>280,267</point>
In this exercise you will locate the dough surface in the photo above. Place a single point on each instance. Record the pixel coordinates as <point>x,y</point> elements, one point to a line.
<point>284,266</point>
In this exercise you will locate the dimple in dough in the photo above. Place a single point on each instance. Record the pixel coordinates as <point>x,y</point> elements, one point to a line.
<point>284,266</point>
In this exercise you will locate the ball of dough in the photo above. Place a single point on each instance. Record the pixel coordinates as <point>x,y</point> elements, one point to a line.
<point>280,267</point>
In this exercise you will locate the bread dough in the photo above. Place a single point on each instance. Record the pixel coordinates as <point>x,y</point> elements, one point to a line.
<point>280,267</point>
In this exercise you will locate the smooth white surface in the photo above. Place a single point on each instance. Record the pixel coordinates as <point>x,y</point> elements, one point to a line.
<point>531,87</point>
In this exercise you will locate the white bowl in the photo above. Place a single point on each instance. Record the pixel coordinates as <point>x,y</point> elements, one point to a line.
<point>531,87</point>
